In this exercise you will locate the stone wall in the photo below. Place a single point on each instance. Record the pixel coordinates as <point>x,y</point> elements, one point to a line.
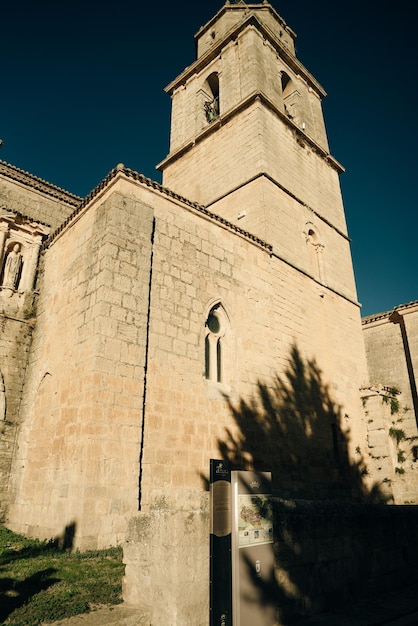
<point>331,554</point>
<point>125,295</point>
<point>28,205</point>
<point>166,554</point>
<point>78,455</point>
<point>15,338</point>
<point>271,307</point>
<point>258,141</point>
<point>391,341</point>
<point>298,235</point>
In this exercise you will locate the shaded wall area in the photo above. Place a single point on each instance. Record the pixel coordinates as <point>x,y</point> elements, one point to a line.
<point>336,538</point>
<point>332,554</point>
<point>296,430</point>
<point>15,339</point>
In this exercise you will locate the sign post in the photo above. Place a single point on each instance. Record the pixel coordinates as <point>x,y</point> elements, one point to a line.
<point>220,544</point>
<point>241,548</point>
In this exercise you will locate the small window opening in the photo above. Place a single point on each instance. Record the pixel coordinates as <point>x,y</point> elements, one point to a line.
<point>219,361</point>
<point>292,99</point>
<point>286,84</point>
<point>212,104</point>
<point>207,357</point>
<point>285,79</point>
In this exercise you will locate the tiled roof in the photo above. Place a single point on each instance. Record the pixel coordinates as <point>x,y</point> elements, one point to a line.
<point>10,171</point>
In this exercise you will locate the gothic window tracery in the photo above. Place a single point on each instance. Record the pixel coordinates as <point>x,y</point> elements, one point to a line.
<point>216,331</point>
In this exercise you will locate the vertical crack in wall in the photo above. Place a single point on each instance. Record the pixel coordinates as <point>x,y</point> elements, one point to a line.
<point>144,397</point>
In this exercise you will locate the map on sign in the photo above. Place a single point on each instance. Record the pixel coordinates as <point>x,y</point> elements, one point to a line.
<point>255,520</point>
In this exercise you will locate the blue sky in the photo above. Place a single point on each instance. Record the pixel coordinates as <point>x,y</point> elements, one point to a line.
<point>82,89</point>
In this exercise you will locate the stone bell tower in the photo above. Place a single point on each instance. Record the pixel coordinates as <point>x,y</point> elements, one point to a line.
<point>248,141</point>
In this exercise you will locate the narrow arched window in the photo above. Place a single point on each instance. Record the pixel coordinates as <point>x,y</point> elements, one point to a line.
<point>286,83</point>
<point>291,98</point>
<point>207,357</point>
<point>211,88</point>
<point>219,376</point>
<point>215,339</point>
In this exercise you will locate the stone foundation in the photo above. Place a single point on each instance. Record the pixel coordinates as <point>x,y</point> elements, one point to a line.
<point>167,561</point>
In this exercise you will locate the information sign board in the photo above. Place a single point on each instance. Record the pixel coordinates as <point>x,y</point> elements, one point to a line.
<point>252,549</point>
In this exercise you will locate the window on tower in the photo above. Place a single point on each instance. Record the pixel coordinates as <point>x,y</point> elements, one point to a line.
<point>211,88</point>
<point>291,98</point>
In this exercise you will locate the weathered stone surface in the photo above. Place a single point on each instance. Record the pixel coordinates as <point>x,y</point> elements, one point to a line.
<point>391,341</point>
<point>167,560</point>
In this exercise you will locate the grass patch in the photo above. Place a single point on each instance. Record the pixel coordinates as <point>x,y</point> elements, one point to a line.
<point>39,582</point>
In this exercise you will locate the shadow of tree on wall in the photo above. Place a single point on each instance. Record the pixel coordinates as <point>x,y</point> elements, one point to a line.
<point>296,431</point>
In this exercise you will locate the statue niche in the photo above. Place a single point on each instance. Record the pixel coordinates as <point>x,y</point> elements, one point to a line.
<point>12,268</point>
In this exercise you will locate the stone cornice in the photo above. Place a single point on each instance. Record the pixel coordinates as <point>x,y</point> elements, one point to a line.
<point>228,115</point>
<point>248,7</point>
<point>249,20</point>
<point>38,184</point>
<point>409,307</point>
<point>377,318</point>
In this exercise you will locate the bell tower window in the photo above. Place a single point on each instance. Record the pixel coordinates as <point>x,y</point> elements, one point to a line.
<point>211,89</point>
<point>291,98</point>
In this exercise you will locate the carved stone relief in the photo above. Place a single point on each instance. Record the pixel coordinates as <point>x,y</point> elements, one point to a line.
<point>20,242</point>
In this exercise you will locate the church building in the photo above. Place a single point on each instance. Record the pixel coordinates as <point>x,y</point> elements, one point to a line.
<point>148,327</point>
